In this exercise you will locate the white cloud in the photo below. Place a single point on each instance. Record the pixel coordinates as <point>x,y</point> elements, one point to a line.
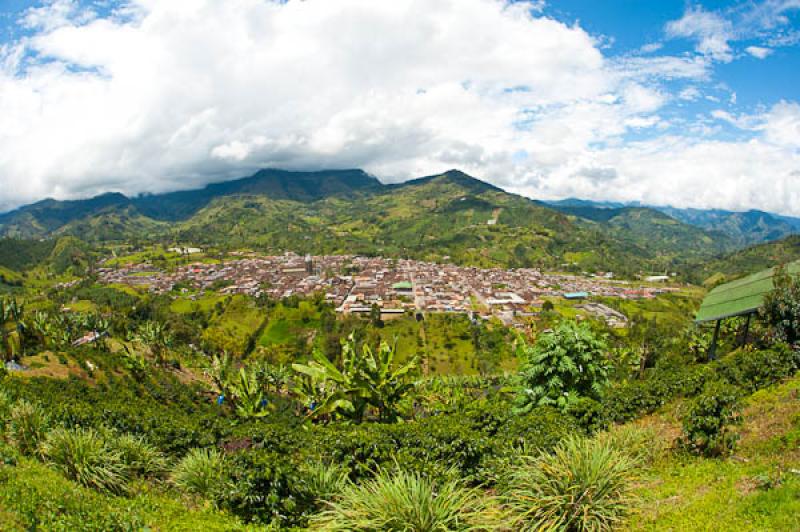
<point>711,31</point>
<point>166,95</point>
<point>758,52</point>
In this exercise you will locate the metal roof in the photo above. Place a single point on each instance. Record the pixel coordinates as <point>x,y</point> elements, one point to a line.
<point>740,297</point>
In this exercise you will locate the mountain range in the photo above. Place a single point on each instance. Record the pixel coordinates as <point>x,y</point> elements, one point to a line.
<point>743,228</point>
<point>449,216</point>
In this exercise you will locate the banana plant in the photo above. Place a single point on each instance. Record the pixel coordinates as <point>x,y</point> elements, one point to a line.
<point>13,328</point>
<point>368,378</point>
<point>247,393</point>
<point>156,337</point>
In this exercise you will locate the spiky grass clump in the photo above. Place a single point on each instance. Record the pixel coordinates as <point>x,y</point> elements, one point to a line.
<point>584,485</point>
<point>325,481</point>
<point>407,502</point>
<point>643,444</point>
<point>27,426</point>
<point>138,456</point>
<point>6,405</point>
<point>200,472</point>
<point>83,456</point>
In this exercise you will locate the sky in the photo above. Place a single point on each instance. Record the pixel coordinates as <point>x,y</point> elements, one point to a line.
<point>690,104</point>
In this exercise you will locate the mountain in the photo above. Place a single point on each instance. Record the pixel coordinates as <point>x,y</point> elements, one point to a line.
<point>749,260</point>
<point>742,228</point>
<point>449,216</point>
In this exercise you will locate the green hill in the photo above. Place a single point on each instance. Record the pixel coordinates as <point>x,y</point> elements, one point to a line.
<point>749,260</point>
<point>450,216</point>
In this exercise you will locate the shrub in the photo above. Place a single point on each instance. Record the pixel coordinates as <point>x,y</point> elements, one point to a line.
<point>27,426</point>
<point>708,424</point>
<point>138,456</point>
<point>584,485</point>
<point>201,472</point>
<point>753,370</point>
<point>781,307</point>
<point>324,481</point>
<point>82,455</point>
<point>561,367</point>
<point>6,405</point>
<point>406,502</point>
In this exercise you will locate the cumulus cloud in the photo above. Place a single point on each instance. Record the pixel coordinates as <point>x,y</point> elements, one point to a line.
<point>164,95</point>
<point>758,52</point>
<point>711,31</point>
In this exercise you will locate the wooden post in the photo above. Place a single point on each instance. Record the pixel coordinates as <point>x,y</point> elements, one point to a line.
<point>746,329</point>
<point>712,351</point>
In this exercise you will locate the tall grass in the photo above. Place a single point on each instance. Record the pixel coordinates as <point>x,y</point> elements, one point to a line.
<point>6,405</point>
<point>325,481</point>
<point>27,426</point>
<point>138,456</point>
<point>406,502</point>
<point>83,456</point>
<point>642,444</point>
<point>200,472</point>
<point>584,485</point>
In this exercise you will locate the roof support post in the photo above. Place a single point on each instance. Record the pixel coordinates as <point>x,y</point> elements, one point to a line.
<point>712,351</point>
<point>746,331</point>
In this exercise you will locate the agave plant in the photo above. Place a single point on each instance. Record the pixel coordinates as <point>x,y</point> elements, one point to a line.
<point>83,456</point>
<point>407,502</point>
<point>367,378</point>
<point>584,485</point>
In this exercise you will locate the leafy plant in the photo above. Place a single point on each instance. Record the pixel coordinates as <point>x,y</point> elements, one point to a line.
<point>137,455</point>
<point>367,378</point>
<point>709,422</point>
<point>201,472</point>
<point>562,366</point>
<point>83,456</point>
<point>781,307</point>
<point>406,502</point>
<point>155,336</point>
<point>27,426</point>
<point>585,484</point>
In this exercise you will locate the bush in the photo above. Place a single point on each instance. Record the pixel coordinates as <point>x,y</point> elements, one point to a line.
<point>201,472</point>
<point>27,426</point>
<point>406,502</point>
<point>138,456</point>
<point>781,307</point>
<point>708,424</point>
<point>6,406</point>
<point>82,455</point>
<point>584,485</point>
<point>753,370</point>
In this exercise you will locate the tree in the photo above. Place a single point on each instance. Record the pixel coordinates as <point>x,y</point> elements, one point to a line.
<point>563,366</point>
<point>781,307</point>
<point>367,378</point>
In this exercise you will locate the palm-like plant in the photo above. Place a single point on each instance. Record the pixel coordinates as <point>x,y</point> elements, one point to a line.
<point>367,378</point>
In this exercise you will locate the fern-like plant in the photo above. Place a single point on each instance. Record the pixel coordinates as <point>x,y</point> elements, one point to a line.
<point>561,367</point>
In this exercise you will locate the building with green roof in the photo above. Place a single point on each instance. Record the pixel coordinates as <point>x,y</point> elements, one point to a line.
<point>742,297</point>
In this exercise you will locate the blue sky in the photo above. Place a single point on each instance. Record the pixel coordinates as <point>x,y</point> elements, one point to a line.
<point>671,102</point>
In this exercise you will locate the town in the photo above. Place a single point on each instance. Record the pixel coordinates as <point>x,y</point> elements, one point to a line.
<point>354,284</point>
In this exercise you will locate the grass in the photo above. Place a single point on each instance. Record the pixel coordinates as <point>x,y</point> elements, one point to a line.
<point>232,329</point>
<point>36,497</point>
<point>756,489</point>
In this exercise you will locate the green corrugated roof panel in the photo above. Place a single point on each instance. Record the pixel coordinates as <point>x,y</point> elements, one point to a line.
<point>403,285</point>
<point>739,297</point>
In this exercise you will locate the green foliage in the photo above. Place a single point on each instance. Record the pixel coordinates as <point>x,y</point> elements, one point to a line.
<point>139,457</point>
<point>368,378</point>
<point>562,366</point>
<point>155,337</point>
<point>83,456</point>
<point>642,444</point>
<point>583,485</point>
<point>708,425</point>
<point>201,472</point>
<point>27,426</point>
<point>406,502</point>
<point>781,307</point>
